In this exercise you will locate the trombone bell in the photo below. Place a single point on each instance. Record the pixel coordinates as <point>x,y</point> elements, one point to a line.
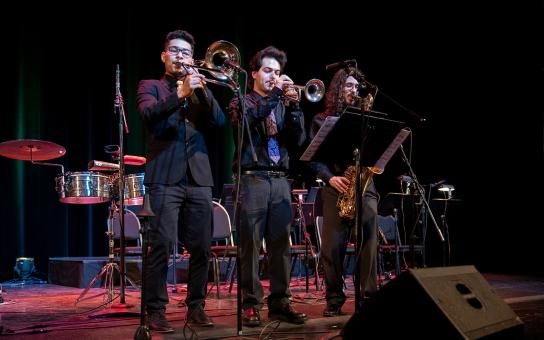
<point>217,54</point>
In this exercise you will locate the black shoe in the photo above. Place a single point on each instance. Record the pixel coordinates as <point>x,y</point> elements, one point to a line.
<point>251,317</point>
<point>331,310</point>
<point>197,316</point>
<point>288,314</point>
<point>158,323</point>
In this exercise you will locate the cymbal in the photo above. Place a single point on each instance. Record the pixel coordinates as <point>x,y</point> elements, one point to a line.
<point>134,160</point>
<point>31,150</point>
<point>448,199</point>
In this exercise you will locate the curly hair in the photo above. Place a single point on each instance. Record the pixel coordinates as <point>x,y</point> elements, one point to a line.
<point>334,102</point>
<point>257,60</point>
<point>180,34</point>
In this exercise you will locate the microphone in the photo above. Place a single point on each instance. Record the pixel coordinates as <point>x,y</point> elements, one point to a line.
<point>221,59</point>
<point>232,65</point>
<point>340,64</point>
<point>404,178</point>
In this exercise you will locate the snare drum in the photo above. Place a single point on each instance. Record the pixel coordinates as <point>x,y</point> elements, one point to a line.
<point>85,187</point>
<point>134,189</point>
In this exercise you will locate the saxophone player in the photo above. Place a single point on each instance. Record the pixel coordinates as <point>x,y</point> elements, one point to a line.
<point>343,91</point>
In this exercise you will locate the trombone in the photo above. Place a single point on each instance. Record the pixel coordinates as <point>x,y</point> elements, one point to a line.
<point>222,61</point>
<point>314,90</point>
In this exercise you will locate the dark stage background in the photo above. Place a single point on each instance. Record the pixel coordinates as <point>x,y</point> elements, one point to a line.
<point>475,77</point>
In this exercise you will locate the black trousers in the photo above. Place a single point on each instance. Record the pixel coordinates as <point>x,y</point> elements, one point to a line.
<point>265,212</point>
<point>336,232</point>
<point>183,210</point>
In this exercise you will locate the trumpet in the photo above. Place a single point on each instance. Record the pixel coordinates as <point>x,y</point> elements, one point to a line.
<point>222,61</point>
<point>314,90</point>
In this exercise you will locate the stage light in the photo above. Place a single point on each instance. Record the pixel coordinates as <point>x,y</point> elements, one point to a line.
<point>447,190</point>
<point>24,267</point>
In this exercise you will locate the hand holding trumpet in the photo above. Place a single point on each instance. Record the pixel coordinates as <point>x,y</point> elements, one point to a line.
<point>283,81</point>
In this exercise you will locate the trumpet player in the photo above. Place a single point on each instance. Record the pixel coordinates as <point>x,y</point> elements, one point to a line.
<point>265,193</point>
<point>178,176</point>
<point>344,91</point>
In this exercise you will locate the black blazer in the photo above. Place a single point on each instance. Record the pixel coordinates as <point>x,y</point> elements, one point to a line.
<point>173,129</point>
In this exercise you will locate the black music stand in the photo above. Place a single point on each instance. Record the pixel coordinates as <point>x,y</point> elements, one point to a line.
<point>341,139</point>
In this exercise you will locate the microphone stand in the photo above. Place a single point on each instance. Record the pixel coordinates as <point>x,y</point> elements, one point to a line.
<point>242,122</point>
<point>121,308</point>
<point>143,332</point>
<point>421,191</point>
<point>359,191</point>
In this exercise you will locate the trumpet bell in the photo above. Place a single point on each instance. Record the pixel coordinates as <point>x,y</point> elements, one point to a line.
<point>314,90</point>
<point>217,54</point>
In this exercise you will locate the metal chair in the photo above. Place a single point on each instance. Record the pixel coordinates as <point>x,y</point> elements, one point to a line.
<point>222,244</point>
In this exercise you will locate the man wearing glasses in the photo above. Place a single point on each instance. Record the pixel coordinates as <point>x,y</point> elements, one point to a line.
<point>175,110</point>
<point>342,92</point>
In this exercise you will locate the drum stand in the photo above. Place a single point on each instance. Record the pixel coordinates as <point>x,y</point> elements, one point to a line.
<point>303,236</point>
<point>107,273</point>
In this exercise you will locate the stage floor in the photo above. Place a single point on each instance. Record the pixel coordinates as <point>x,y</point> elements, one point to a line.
<point>48,311</point>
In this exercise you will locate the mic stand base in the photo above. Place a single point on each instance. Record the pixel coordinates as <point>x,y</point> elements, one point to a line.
<point>142,333</point>
<point>116,310</point>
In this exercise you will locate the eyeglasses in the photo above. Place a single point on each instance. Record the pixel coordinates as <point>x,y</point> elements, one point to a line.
<point>350,86</point>
<point>185,53</point>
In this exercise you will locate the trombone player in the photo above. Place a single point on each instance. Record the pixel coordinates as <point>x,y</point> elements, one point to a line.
<point>175,110</point>
<point>265,193</point>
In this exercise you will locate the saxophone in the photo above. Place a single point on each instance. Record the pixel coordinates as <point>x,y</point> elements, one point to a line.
<point>346,201</point>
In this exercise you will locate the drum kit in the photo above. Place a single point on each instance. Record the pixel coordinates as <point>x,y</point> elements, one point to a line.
<point>82,187</point>
<point>99,184</point>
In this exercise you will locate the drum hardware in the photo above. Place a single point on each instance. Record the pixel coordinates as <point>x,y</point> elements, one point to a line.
<point>134,189</point>
<point>31,150</point>
<point>107,272</point>
<point>304,236</point>
<point>95,165</point>
<point>86,187</point>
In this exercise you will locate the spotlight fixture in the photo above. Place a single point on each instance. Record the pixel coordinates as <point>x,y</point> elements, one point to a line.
<point>446,189</point>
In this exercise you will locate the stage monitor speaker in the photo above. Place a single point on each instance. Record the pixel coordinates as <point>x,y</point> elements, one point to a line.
<point>436,303</point>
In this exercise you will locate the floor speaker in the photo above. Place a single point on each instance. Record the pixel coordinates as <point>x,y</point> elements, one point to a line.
<point>436,303</point>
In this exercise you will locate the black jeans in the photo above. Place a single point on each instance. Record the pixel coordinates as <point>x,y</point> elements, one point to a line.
<point>336,232</point>
<point>183,210</point>
<point>265,212</point>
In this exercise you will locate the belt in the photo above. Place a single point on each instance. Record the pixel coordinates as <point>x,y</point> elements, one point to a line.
<point>265,173</point>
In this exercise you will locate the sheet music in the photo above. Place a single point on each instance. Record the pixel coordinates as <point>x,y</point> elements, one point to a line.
<point>324,130</point>
<point>379,167</point>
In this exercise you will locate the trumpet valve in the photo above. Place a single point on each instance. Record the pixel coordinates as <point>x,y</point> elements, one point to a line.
<point>291,91</point>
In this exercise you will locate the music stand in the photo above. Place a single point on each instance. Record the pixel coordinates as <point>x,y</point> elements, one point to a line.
<point>340,139</point>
